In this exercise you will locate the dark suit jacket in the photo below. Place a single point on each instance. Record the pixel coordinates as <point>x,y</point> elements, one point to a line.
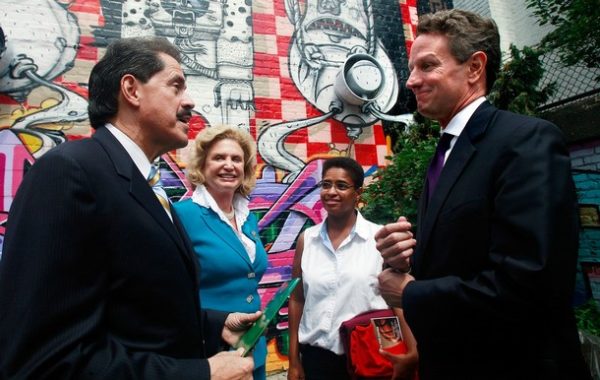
<point>496,256</point>
<point>95,280</point>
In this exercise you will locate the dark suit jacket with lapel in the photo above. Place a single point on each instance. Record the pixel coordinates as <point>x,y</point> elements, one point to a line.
<point>496,256</point>
<point>95,280</point>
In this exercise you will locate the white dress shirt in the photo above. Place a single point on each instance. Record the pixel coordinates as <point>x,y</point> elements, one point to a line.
<point>136,153</point>
<point>459,121</point>
<point>202,197</point>
<point>340,284</point>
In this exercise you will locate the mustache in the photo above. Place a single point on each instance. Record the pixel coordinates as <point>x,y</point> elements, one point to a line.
<point>185,113</point>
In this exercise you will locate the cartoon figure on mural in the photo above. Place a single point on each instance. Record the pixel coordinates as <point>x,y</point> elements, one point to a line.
<point>39,43</point>
<point>326,35</point>
<point>215,39</point>
<point>33,59</point>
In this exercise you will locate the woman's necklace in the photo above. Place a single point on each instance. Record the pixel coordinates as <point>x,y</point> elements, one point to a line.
<point>229,215</point>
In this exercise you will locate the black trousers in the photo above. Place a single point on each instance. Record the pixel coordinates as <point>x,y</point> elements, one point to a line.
<point>321,364</point>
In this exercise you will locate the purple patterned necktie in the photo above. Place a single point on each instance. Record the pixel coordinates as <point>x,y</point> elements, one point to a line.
<point>437,163</point>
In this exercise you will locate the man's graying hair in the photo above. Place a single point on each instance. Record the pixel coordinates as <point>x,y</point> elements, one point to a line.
<point>135,56</point>
<point>467,33</point>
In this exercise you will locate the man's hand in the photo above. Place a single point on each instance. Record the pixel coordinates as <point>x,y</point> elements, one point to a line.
<point>395,243</point>
<point>236,324</point>
<point>230,365</point>
<point>391,286</point>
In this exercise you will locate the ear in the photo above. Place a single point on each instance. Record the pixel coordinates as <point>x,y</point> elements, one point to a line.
<point>359,192</point>
<point>477,64</point>
<point>130,89</point>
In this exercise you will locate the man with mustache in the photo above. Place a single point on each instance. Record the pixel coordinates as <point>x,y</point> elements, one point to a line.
<point>98,279</point>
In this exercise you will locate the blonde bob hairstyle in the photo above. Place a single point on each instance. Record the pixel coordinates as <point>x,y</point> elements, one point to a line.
<point>206,139</point>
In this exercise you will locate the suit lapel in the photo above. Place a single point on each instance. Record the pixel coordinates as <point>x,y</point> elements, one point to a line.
<point>461,154</point>
<point>140,190</point>
<point>225,233</point>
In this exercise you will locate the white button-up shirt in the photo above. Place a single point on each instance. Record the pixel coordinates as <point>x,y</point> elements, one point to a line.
<point>338,284</point>
<point>202,197</point>
<point>458,123</point>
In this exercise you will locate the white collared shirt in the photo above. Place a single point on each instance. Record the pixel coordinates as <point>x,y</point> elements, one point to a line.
<point>340,284</point>
<point>202,197</point>
<point>459,121</point>
<point>136,153</point>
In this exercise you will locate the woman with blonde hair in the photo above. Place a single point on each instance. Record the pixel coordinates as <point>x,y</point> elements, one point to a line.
<point>222,230</point>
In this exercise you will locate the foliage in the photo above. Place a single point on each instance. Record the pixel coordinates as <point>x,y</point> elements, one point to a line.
<point>576,37</point>
<point>588,317</point>
<point>516,88</point>
<point>396,188</point>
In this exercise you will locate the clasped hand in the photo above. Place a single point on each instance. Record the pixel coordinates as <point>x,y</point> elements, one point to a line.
<point>230,365</point>
<point>396,244</point>
<point>391,286</point>
<point>236,325</point>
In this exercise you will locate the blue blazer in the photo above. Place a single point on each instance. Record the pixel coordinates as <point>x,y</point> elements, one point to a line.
<point>228,279</point>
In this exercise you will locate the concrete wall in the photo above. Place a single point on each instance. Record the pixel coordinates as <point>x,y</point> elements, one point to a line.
<point>253,64</point>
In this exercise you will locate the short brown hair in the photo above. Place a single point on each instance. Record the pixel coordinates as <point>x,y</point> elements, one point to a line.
<point>211,135</point>
<point>467,33</point>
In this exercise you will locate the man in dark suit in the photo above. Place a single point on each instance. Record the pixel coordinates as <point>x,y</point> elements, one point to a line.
<point>496,248</point>
<point>97,279</point>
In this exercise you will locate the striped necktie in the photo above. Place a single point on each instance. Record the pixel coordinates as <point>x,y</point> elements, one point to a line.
<point>161,195</point>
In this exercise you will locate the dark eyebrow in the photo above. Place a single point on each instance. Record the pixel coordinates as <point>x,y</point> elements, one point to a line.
<point>177,78</point>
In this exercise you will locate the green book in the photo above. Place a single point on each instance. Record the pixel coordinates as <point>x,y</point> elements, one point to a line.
<point>258,328</point>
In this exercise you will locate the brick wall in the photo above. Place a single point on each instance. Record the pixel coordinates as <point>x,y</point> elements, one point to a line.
<point>586,156</point>
<point>587,183</point>
<point>585,160</point>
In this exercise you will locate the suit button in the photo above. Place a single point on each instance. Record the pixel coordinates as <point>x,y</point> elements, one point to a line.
<point>250,298</point>
<point>251,275</point>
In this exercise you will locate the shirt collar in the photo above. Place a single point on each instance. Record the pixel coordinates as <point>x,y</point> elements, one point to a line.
<point>360,228</point>
<point>459,121</point>
<point>202,197</point>
<point>135,152</point>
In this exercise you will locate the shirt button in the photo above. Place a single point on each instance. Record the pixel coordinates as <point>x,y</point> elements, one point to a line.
<point>250,298</point>
<point>251,275</point>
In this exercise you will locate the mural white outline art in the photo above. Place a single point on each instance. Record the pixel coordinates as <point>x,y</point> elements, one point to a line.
<point>34,58</point>
<point>215,40</point>
<point>326,33</point>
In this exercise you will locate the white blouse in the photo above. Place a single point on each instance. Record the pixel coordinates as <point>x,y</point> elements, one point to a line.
<point>339,284</point>
<point>202,197</point>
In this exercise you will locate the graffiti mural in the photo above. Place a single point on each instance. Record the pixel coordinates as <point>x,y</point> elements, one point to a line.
<point>326,34</point>
<point>215,39</point>
<point>266,66</point>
